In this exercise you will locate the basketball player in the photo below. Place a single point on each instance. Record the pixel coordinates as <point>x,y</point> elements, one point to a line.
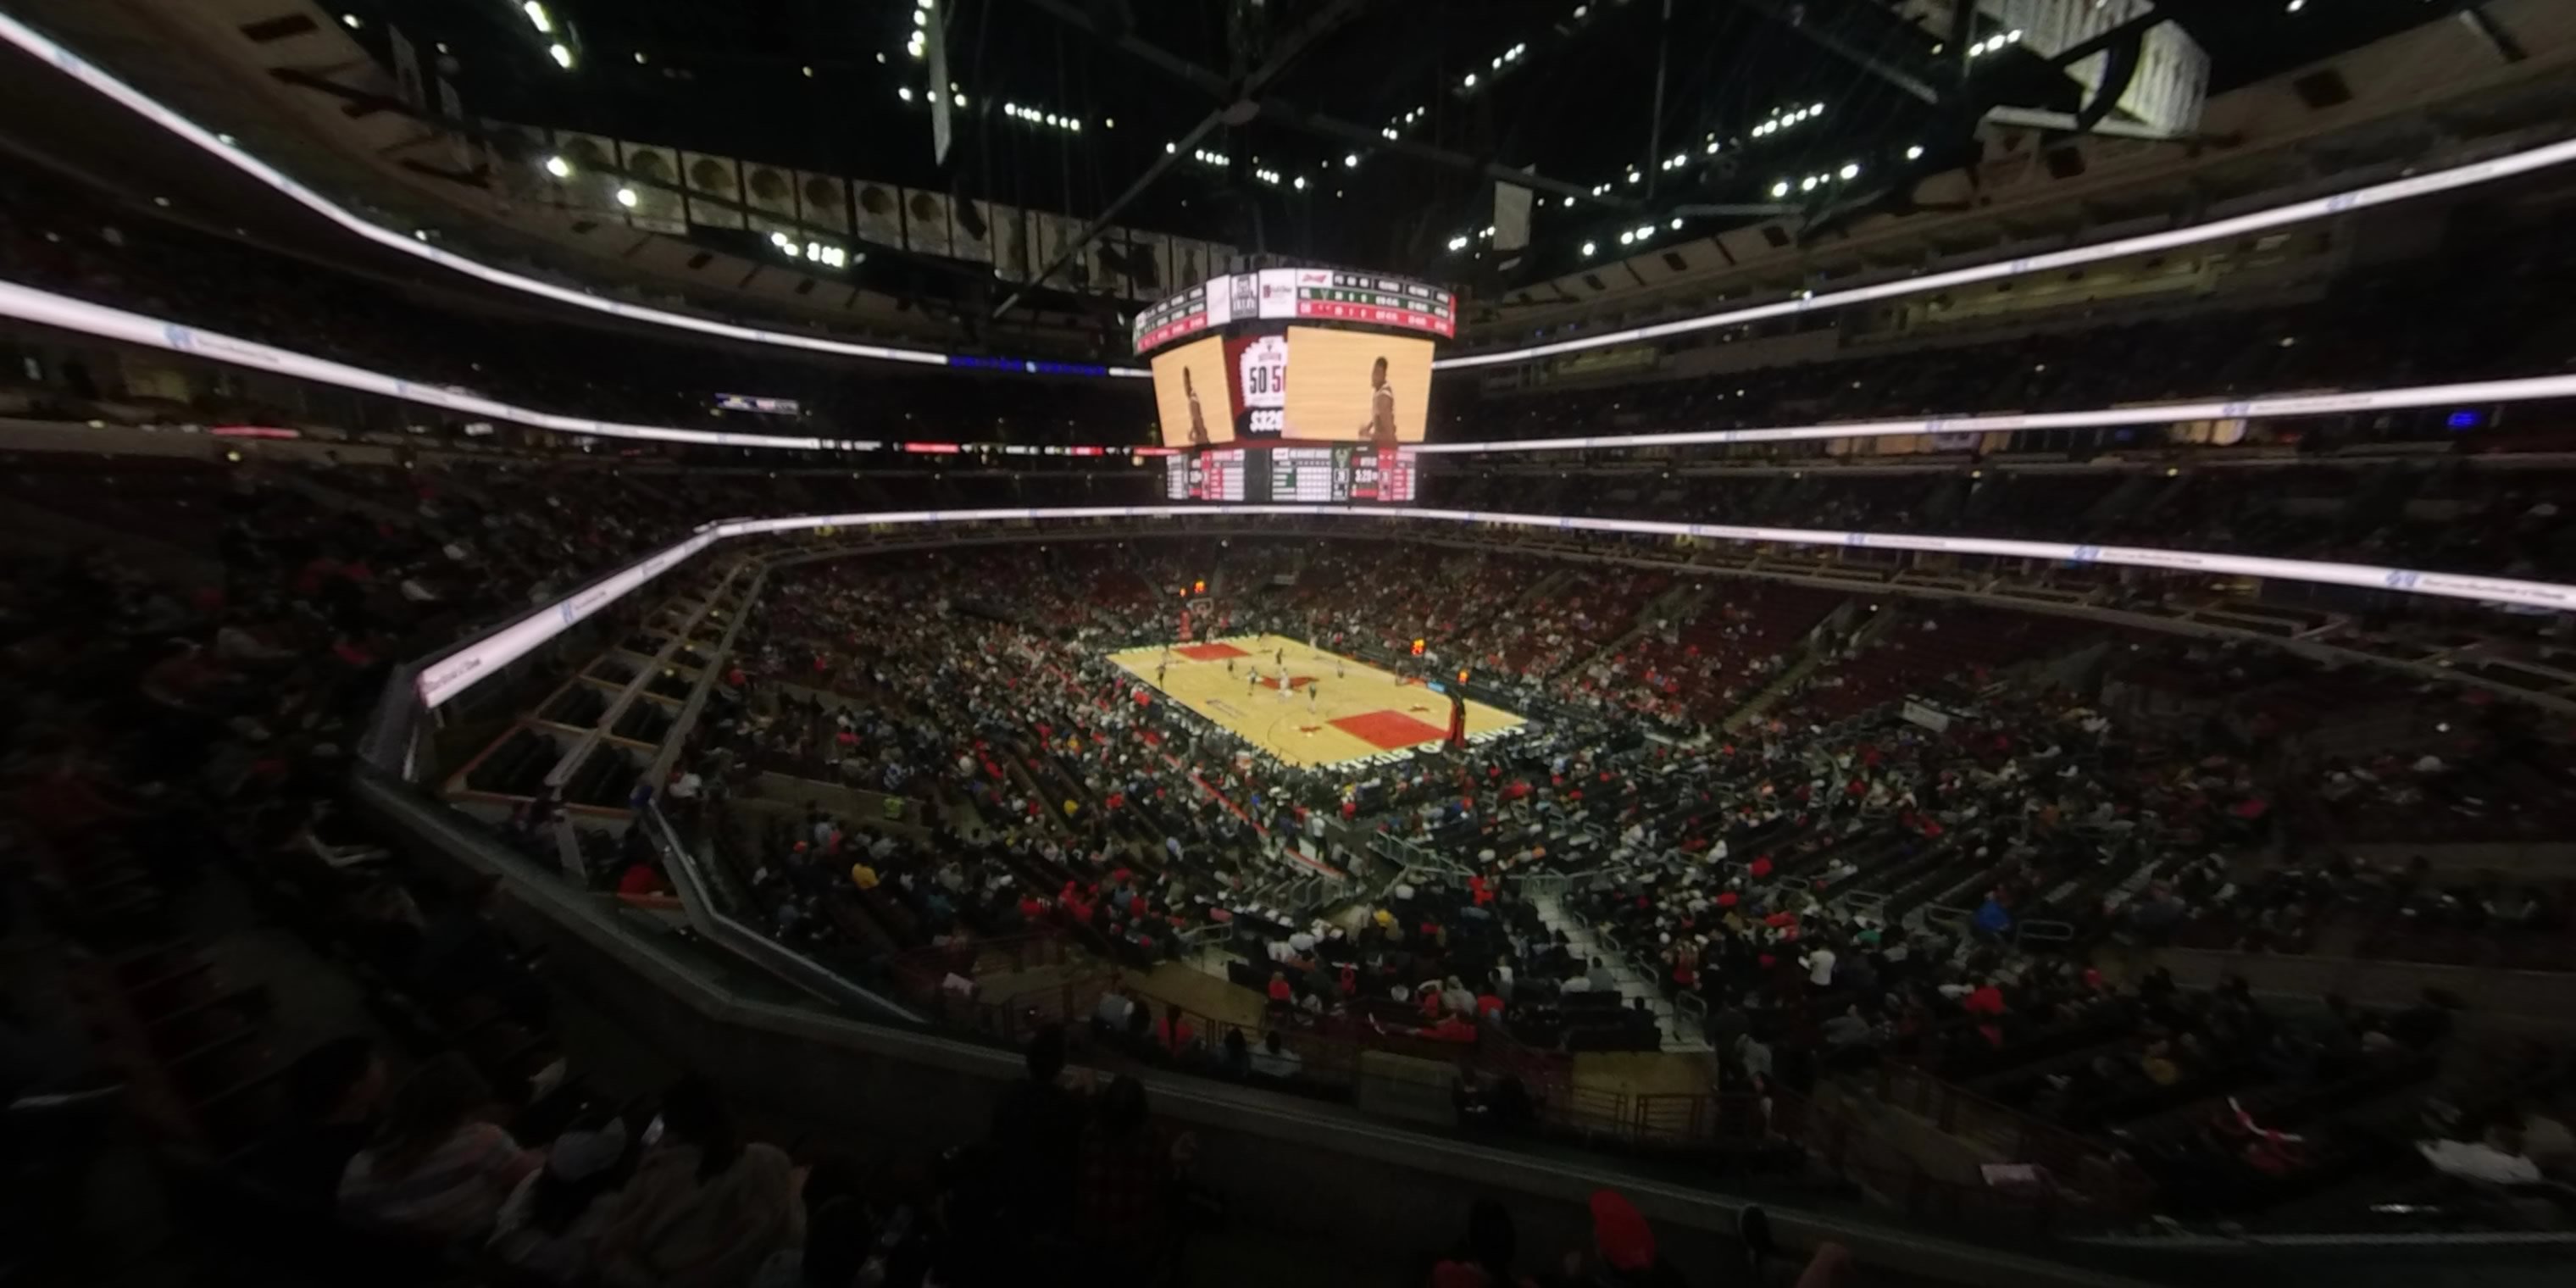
<point>1379,432</point>
<point>1160,668</point>
<point>1198,418</point>
<point>1314,695</point>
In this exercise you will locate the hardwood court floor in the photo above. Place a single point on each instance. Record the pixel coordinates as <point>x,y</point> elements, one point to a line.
<point>1335,709</point>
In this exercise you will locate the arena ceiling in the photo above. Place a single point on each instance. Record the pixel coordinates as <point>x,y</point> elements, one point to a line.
<point>1578,94</point>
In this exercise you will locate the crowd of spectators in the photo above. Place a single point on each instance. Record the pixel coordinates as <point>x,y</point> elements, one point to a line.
<point>181,744</point>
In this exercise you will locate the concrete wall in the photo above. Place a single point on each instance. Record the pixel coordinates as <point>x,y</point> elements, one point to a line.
<point>2539,1003</point>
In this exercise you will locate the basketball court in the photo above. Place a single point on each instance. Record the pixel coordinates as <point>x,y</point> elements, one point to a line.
<point>1335,709</point>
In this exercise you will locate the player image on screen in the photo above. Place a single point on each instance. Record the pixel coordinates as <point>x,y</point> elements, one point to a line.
<point>1380,429</point>
<point>1198,414</point>
<point>1190,396</point>
<point>1358,387</point>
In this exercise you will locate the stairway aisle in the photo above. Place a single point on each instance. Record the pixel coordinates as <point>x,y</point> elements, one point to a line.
<point>1680,1032</point>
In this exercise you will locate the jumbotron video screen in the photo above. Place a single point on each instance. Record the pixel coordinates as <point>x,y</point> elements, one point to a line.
<point>1295,385</point>
<point>1300,384</point>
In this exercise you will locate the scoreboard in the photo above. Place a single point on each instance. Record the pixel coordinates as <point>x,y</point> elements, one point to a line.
<point>1311,475</point>
<point>1292,294</point>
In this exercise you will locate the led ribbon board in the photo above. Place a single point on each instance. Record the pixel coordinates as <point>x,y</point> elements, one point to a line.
<point>448,676</point>
<point>1297,294</point>
<point>29,304</point>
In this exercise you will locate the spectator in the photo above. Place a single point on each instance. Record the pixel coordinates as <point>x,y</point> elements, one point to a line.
<point>1120,1206</point>
<point>1275,1059</point>
<point>551,1223</point>
<point>436,1169</point>
<point>1623,1250</point>
<point>705,1208</point>
<point>1037,1131</point>
<point>1484,1257</point>
<point>839,1244</point>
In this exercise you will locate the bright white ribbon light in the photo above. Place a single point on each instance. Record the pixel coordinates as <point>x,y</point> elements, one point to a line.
<point>468,666</point>
<point>2378,194</point>
<point>45,308</point>
<point>133,100</point>
<point>73,65</point>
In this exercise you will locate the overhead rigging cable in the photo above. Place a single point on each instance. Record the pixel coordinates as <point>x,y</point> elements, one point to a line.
<point>45,308</point>
<point>71,64</point>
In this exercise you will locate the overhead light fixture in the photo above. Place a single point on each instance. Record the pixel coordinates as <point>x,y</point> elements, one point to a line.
<point>626,198</point>
<point>920,17</point>
<point>1106,123</point>
<point>904,93</point>
<point>1588,248</point>
<point>809,72</point>
<point>1677,225</point>
<point>1569,201</point>
<point>558,167</point>
<point>639,58</point>
<point>958,99</point>
<point>1712,149</point>
<point>1626,237</point>
<point>1851,171</point>
<point>1471,80</point>
<point>350,20</point>
<point>1299,183</point>
<point>538,17</point>
<point>1914,153</point>
<point>1351,160</point>
<point>562,55</point>
<point>1780,189</point>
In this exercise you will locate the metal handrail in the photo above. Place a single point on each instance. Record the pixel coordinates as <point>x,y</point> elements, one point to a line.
<point>745,941</point>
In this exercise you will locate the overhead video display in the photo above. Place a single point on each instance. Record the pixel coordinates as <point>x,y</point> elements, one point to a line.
<point>1190,397</point>
<point>1348,386</point>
